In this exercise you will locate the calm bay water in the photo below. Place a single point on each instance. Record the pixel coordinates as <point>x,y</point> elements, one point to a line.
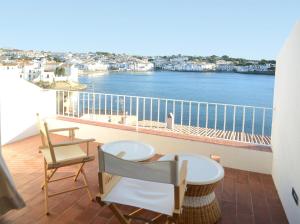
<point>231,88</point>
<point>227,88</point>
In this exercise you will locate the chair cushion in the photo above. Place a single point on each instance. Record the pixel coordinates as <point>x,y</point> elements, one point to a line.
<point>66,154</point>
<point>152,196</point>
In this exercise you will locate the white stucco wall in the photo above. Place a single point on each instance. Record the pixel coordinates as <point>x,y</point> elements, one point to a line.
<point>286,124</point>
<point>234,157</point>
<point>20,101</point>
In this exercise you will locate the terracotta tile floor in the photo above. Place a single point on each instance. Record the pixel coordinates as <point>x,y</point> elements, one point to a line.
<point>245,197</point>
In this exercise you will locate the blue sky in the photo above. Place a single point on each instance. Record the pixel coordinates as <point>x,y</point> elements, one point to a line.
<point>251,29</point>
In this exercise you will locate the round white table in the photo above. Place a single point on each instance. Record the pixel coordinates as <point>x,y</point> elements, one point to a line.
<point>134,150</point>
<point>200,203</point>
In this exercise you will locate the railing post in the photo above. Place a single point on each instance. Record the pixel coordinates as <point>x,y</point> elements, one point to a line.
<point>124,102</point>
<point>243,127</point>
<point>99,106</point>
<point>118,105</point>
<point>137,113</point>
<point>174,110</point>
<point>94,104</point>
<point>78,104</point>
<point>88,103</point>
<point>83,103</point>
<point>111,104</point>
<point>225,117</point>
<point>151,111</point>
<point>144,109</point>
<point>190,114</point>
<point>198,115</point>
<point>181,113</point>
<point>158,110</point>
<point>216,119</point>
<point>58,102</point>
<point>68,103</point>
<point>253,124</point>
<point>130,105</point>
<point>73,104</point>
<point>63,103</point>
<point>166,111</point>
<point>263,125</point>
<point>206,122</point>
<point>105,102</point>
<point>233,122</point>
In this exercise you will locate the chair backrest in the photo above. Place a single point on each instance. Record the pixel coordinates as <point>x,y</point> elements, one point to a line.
<point>46,140</point>
<point>157,171</point>
<point>167,172</point>
<point>41,128</point>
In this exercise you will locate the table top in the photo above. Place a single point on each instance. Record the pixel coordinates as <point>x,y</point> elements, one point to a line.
<point>134,150</point>
<point>201,169</point>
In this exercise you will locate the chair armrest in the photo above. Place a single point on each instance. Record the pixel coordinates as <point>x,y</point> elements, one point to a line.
<point>75,142</point>
<point>63,129</point>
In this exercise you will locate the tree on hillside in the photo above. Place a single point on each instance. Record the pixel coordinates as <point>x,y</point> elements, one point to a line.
<point>60,71</point>
<point>263,62</point>
<point>226,57</point>
<point>104,53</point>
<point>272,62</point>
<point>57,59</point>
<point>241,62</point>
<point>212,59</point>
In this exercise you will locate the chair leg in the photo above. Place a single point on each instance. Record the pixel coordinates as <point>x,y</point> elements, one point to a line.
<point>78,172</point>
<point>167,221</point>
<point>49,177</point>
<point>46,187</point>
<point>118,214</point>
<point>176,219</point>
<point>43,146</point>
<point>86,183</point>
<point>171,220</point>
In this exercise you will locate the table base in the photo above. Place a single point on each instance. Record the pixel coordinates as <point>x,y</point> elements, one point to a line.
<point>206,214</point>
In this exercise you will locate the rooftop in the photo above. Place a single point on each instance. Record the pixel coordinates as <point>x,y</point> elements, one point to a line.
<point>244,197</point>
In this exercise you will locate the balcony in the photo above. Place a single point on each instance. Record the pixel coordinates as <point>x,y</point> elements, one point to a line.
<point>245,197</point>
<point>245,192</point>
<point>239,134</point>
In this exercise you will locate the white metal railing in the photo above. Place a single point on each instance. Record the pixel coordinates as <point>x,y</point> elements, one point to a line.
<point>226,121</point>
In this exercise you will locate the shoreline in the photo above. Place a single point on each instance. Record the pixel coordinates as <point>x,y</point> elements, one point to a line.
<point>218,71</point>
<point>95,73</point>
<point>63,85</point>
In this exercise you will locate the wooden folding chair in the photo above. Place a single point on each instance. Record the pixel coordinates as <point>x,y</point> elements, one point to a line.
<point>40,124</point>
<point>155,186</point>
<point>61,155</point>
